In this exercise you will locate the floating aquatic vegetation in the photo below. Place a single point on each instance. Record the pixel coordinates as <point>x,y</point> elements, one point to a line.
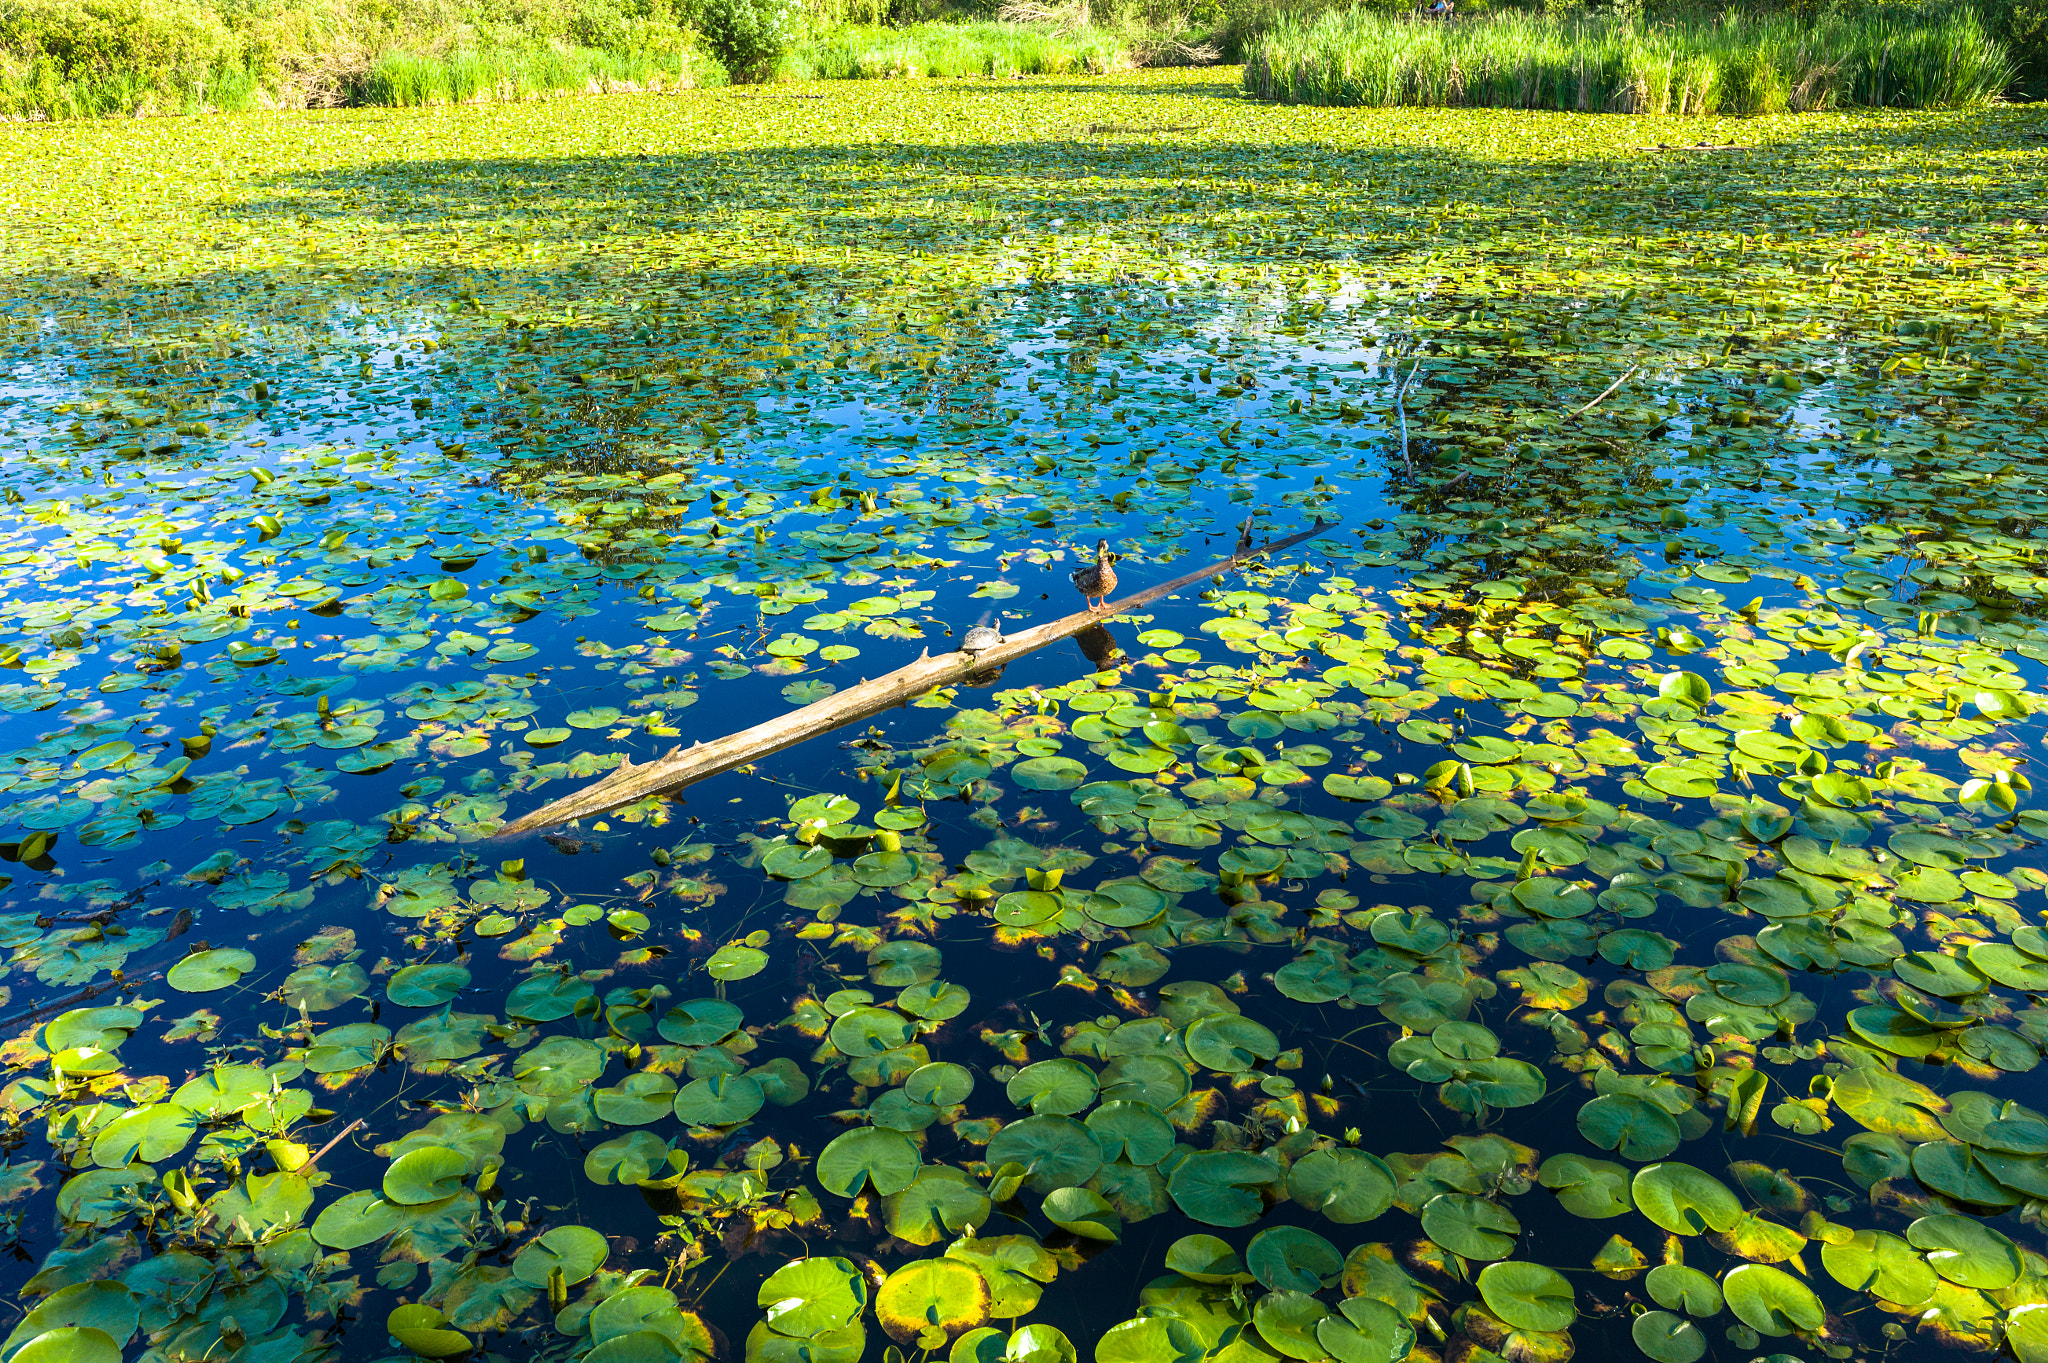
<point>1625,820</point>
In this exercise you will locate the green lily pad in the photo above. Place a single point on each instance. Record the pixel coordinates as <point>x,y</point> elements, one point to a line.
<point>1216,1187</point>
<point>940,1084</point>
<point>934,1000</point>
<point>1348,1186</point>
<point>205,972</point>
<point>636,1100</point>
<point>1287,1322</point>
<point>69,1344</point>
<point>1593,1188</point>
<point>1680,1287</point>
<point>1290,1259</point>
<point>941,1202</point>
<point>1668,1338</point>
<point>1470,1227</point>
<point>1060,1087</point>
<point>576,1251</point>
<point>700,1022</point>
<point>425,1331</point>
<point>1966,1252</point>
<point>1629,1125</point>
<point>1881,1264</point>
<point>1230,1042</point>
<point>719,1100</point>
<point>1528,1296</point>
<point>816,1296</point>
<point>426,986</point>
<point>1685,1200</point>
<point>1771,1301</point>
<point>429,1174</point>
<point>1365,1330</point>
<point>1082,1212</point>
<point>734,961</point>
<point>1056,1152</point>
<point>1049,773</point>
<point>871,1031</point>
<point>1135,1132</point>
<point>887,1161</point>
<point>1206,1259</point>
<point>1891,1104</point>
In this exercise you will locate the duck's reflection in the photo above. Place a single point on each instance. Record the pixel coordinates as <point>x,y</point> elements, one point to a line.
<point>1100,646</point>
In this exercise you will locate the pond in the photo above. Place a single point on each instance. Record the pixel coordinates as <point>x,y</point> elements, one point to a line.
<point>1587,897</point>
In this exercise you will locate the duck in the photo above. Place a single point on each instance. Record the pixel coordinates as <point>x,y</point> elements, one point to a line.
<point>1096,580</point>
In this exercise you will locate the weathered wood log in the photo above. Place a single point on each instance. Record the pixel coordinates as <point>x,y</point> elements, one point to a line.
<point>685,766</point>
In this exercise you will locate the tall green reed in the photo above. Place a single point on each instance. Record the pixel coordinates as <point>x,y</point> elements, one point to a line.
<point>1735,65</point>
<point>867,51</point>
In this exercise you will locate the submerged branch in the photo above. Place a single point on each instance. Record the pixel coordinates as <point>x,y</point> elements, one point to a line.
<point>684,766</point>
<point>1605,393</point>
<point>1400,409</point>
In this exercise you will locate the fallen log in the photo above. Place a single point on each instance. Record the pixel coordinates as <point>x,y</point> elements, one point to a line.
<point>685,766</point>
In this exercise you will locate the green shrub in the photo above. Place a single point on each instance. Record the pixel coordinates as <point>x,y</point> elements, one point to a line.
<point>748,37</point>
<point>76,58</point>
<point>2023,27</point>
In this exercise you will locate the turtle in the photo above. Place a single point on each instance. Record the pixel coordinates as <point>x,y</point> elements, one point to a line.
<point>981,638</point>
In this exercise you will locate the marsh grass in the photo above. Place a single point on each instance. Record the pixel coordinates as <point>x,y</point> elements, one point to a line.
<point>1736,65</point>
<point>396,78</point>
<point>868,51</point>
<point>407,79</point>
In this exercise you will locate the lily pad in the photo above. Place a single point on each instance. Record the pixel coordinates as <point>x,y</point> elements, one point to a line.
<point>205,972</point>
<point>886,1161</point>
<point>1771,1301</point>
<point>806,1298</point>
<point>1966,1252</point>
<point>575,1251</point>
<point>1346,1185</point>
<point>1470,1227</point>
<point>429,1174</point>
<point>1056,1152</point>
<point>932,1298</point>
<point>1082,1212</point>
<point>1217,1187</point>
<point>1528,1296</point>
<point>1668,1338</point>
<point>1290,1259</point>
<point>1881,1264</point>
<point>1685,1200</point>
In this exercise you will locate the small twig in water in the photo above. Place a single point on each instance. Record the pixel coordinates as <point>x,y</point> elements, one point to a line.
<point>1605,393</point>
<point>31,1014</point>
<point>340,1136</point>
<point>1401,410</point>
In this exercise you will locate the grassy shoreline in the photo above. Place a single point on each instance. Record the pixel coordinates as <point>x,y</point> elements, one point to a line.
<point>455,69</point>
<point>65,59</point>
<point>875,51</point>
<point>1733,66</point>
